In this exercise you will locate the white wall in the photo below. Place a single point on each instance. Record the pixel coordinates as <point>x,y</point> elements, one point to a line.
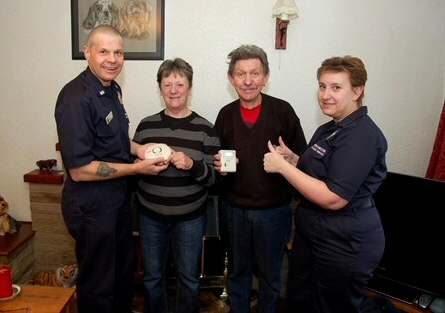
<point>401,43</point>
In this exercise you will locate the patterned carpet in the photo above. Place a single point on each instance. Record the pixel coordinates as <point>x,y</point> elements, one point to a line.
<point>210,300</point>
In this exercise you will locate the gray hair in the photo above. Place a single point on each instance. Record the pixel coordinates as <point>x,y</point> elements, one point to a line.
<point>245,52</point>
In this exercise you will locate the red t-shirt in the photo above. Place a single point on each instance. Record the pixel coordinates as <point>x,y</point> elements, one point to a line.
<point>250,116</point>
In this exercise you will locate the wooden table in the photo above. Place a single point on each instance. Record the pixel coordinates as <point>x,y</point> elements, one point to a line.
<point>41,299</point>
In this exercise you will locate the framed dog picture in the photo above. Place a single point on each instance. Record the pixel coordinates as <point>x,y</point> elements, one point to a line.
<point>141,23</point>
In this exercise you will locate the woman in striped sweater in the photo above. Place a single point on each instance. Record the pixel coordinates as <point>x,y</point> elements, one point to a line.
<point>172,205</point>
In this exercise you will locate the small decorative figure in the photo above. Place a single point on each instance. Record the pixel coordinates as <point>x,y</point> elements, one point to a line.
<point>63,276</point>
<point>46,165</point>
<point>7,223</point>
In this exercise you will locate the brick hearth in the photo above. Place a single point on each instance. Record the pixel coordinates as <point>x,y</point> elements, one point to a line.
<point>53,245</point>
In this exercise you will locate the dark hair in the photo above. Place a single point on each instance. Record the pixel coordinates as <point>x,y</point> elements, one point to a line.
<point>178,66</point>
<point>245,52</point>
<point>349,64</point>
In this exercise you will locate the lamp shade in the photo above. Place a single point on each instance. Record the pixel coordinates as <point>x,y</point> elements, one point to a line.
<point>285,10</point>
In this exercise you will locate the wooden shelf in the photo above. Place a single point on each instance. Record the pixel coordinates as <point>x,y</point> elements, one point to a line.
<point>10,242</point>
<point>56,177</point>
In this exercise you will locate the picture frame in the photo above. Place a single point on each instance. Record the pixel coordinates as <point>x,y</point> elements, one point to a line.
<point>141,23</point>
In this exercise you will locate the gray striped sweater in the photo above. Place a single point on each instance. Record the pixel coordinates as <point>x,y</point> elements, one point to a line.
<point>176,195</point>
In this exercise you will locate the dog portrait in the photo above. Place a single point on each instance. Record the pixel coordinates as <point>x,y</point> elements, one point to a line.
<point>140,22</point>
<point>101,12</point>
<point>135,18</point>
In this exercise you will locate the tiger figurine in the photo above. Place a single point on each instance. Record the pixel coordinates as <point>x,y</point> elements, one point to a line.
<point>64,276</point>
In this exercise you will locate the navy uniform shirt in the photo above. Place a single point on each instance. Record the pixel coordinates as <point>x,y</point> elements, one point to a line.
<point>348,156</point>
<point>91,122</point>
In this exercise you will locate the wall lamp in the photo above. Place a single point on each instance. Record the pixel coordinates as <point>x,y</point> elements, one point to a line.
<point>283,11</point>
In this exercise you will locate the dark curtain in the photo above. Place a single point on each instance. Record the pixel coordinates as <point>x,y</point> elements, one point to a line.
<point>436,168</point>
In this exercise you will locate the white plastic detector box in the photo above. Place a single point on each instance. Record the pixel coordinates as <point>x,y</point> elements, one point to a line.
<point>228,160</point>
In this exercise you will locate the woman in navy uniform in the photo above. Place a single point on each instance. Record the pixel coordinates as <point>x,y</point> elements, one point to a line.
<point>339,238</point>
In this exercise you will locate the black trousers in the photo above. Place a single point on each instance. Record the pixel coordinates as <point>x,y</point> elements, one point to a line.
<point>99,217</point>
<point>333,256</point>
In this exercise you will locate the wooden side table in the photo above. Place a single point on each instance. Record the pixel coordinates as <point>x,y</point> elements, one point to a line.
<point>41,299</point>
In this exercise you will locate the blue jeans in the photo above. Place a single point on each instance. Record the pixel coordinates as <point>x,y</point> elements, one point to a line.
<point>186,244</point>
<point>257,240</point>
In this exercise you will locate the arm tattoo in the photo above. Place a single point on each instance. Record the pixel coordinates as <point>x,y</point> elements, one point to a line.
<point>104,170</point>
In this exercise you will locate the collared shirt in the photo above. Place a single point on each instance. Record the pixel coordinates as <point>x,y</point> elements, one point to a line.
<point>92,123</point>
<point>348,156</point>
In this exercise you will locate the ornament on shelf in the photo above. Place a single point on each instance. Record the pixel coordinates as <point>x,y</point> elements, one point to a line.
<point>46,165</point>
